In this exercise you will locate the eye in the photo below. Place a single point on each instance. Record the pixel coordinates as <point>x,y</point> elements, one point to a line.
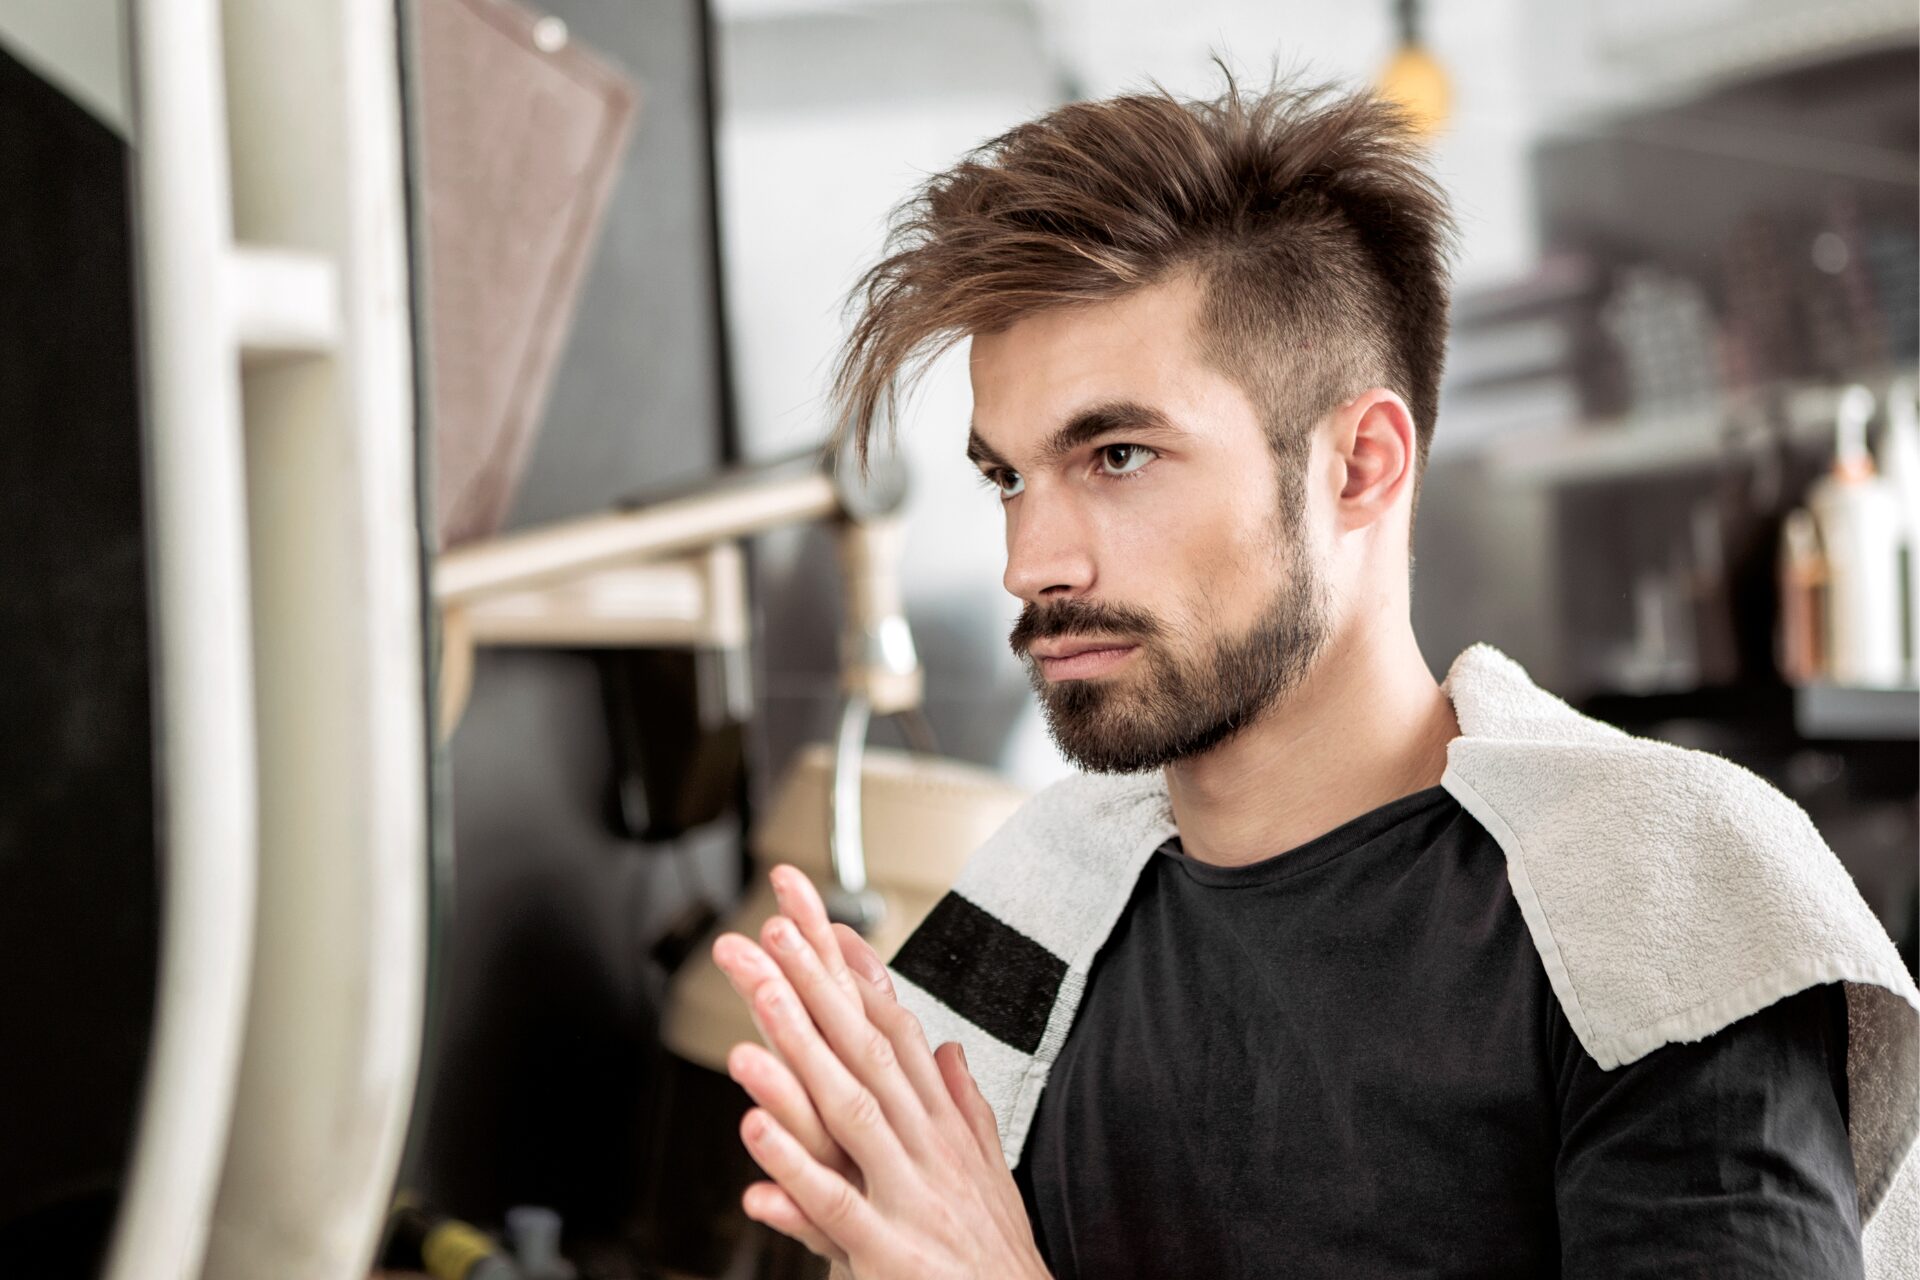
<point>1007,483</point>
<point>1132,458</point>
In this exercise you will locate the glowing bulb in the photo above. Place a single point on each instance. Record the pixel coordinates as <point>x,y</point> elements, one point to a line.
<point>1416,81</point>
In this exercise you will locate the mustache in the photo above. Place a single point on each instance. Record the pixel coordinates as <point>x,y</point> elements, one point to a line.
<point>1077,617</point>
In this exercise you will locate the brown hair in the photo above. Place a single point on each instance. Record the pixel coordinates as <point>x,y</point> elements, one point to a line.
<point>1319,238</point>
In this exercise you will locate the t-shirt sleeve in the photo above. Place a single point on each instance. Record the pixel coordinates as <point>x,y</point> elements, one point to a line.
<point>1023,1179</point>
<point>1724,1157</point>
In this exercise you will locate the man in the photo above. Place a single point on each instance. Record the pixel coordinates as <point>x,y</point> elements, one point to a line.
<point>1325,994</point>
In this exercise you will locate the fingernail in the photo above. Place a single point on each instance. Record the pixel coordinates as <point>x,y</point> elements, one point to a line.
<point>962,1051</point>
<point>863,965</point>
<point>799,889</point>
<point>869,967</point>
<point>784,935</point>
<point>734,953</point>
<point>879,966</point>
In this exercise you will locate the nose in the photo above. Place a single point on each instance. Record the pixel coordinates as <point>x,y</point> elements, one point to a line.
<point>1049,549</point>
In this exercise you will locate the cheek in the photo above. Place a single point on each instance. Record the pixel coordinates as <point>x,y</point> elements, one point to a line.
<point>1167,543</point>
<point>1145,532</point>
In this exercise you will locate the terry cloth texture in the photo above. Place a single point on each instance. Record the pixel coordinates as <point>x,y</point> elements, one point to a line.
<point>1669,891</point>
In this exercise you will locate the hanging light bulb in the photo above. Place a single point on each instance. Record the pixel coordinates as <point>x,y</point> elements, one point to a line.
<point>1413,77</point>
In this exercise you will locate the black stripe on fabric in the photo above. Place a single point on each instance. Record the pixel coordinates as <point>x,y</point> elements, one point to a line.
<point>983,969</point>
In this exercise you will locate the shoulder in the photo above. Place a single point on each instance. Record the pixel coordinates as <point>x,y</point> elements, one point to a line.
<point>1734,1147</point>
<point>1670,891</point>
<point>1653,827</point>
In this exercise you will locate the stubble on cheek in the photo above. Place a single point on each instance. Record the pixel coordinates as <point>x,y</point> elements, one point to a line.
<point>1195,682</point>
<point>1121,722</point>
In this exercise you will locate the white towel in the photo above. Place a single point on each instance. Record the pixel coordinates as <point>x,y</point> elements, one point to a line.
<point>1670,892</point>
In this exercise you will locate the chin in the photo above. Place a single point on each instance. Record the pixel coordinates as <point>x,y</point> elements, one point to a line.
<point>1103,728</point>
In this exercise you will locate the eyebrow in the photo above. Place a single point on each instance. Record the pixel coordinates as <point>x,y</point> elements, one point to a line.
<point>1085,426</point>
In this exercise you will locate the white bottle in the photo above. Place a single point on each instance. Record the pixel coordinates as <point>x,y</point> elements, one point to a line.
<point>1900,464</point>
<point>1859,520</point>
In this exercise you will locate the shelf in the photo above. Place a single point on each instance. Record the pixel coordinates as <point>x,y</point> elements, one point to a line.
<point>1653,444</point>
<point>1837,711</point>
<point>1607,451</point>
<point>1686,46</point>
<point>1808,713</point>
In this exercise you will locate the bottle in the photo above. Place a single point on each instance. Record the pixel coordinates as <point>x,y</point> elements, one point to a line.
<point>534,1232</point>
<point>444,1248</point>
<point>1900,464</point>
<point>1859,521</point>
<point>1803,578</point>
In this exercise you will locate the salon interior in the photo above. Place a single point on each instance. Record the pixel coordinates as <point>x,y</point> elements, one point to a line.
<point>431,610</point>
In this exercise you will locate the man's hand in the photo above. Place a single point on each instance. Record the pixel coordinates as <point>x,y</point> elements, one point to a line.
<point>884,1156</point>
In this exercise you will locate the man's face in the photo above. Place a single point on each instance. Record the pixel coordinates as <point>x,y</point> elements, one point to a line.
<point>1148,531</point>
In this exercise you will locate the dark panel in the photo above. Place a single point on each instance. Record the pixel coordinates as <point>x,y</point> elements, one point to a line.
<point>78,892</point>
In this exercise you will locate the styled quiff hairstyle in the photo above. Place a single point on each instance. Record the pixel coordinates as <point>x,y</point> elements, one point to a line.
<point>1320,241</point>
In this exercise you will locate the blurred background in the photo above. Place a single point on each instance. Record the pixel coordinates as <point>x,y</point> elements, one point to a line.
<point>426,621</point>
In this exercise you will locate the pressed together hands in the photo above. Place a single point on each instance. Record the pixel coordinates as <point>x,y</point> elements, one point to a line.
<point>884,1157</point>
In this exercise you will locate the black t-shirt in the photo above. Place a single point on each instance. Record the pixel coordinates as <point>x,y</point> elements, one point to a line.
<point>1346,1061</point>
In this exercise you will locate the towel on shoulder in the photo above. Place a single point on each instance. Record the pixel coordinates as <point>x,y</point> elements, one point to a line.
<point>1669,891</point>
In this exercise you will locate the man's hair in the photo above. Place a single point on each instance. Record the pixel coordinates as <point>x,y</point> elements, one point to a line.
<point>1318,237</point>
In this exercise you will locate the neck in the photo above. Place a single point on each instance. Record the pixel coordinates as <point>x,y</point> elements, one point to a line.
<point>1368,725</point>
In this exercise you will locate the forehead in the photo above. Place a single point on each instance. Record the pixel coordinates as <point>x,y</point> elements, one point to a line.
<point>1045,368</point>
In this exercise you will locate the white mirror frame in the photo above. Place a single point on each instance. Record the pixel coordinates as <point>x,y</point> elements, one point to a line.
<point>280,392</point>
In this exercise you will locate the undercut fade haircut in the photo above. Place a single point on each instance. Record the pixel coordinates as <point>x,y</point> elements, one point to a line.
<point>1305,212</point>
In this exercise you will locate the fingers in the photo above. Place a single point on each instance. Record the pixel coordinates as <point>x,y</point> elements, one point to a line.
<point>827,1200</point>
<point>766,1076</point>
<point>746,967</point>
<point>853,1050</point>
<point>862,958</point>
<point>849,1067</point>
<point>898,1025</point>
<point>800,902</point>
<point>766,1202</point>
<point>967,1096</point>
<point>772,1084</point>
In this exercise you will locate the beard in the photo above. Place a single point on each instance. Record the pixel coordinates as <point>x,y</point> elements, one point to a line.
<point>1189,690</point>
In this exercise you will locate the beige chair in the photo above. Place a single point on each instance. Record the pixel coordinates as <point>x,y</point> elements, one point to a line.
<point>922,815</point>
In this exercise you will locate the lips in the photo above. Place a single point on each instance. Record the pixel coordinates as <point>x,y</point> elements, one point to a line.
<point>1069,648</point>
<point>1081,659</point>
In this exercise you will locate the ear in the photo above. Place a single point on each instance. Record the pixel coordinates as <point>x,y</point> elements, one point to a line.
<point>1375,441</point>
